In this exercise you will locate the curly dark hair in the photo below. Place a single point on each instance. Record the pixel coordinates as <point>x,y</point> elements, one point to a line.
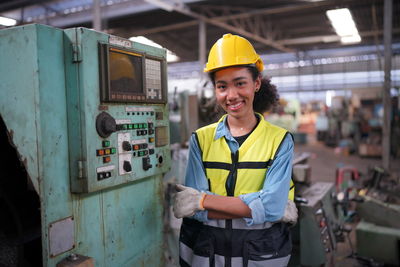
<point>266,98</point>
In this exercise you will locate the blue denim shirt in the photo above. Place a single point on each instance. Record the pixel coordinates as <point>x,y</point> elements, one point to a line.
<point>268,204</point>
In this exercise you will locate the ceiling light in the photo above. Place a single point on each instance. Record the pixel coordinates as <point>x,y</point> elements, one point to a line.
<point>171,56</point>
<point>7,21</point>
<point>351,39</point>
<point>344,25</point>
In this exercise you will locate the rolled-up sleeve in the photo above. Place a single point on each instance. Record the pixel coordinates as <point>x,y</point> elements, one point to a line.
<point>268,204</point>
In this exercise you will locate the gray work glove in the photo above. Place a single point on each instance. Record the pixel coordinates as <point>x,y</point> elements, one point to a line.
<point>187,201</point>
<point>290,215</point>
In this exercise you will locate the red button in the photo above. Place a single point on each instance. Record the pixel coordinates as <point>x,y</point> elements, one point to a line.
<point>106,159</point>
<point>100,152</point>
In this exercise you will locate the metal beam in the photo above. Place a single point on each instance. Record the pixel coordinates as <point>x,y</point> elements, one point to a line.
<point>175,26</point>
<point>202,44</point>
<point>186,11</point>
<point>328,38</point>
<point>387,103</point>
<point>85,16</point>
<point>285,9</point>
<point>96,15</point>
<point>292,41</point>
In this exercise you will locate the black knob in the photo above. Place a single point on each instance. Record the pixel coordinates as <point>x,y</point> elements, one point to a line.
<point>127,166</point>
<point>146,163</point>
<point>126,146</point>
<point>105,124</point>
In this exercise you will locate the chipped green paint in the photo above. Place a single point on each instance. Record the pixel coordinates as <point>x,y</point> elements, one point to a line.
<point>49,103</point>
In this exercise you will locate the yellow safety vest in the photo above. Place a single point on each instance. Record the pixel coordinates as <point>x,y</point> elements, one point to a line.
<point>248,166</point>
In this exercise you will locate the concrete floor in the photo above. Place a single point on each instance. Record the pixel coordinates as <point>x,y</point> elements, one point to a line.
<point>324,162</point>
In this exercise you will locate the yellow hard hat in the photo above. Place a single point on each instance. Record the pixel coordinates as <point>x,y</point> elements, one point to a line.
<point>232,50</point>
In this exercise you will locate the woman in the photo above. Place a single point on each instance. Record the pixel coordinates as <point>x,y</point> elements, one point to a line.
<point>239,170</point>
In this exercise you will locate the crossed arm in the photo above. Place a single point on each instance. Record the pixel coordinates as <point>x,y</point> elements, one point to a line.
<point>221,207</point>
<point>263,204</point>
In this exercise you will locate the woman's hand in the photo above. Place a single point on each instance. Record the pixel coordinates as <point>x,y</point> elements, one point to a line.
<point>187,201</point>
<point>290,215</point>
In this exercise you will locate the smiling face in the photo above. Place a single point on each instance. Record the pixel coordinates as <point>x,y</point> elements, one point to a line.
<point>234,90</point>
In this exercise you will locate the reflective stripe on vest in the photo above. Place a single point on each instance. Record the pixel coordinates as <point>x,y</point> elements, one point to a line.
<point>205,245</point>
<point>246,169</point>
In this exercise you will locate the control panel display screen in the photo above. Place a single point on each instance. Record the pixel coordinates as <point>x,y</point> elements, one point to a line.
<point>126,75</point>
<point>130,76</point>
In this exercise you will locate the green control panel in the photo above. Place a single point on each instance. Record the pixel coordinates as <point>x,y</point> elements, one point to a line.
<point>118,109</point>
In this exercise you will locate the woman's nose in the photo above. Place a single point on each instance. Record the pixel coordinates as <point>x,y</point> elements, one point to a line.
<point>232,93</point>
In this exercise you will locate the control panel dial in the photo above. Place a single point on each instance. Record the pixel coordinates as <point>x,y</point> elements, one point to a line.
<point>105,124</point>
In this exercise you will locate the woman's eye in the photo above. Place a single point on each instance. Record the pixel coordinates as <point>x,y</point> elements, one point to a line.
<point>221,87</point>
<point>240,84</point>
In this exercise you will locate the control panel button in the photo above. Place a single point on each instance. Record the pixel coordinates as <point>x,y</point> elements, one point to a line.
<point>146,163</point>
<point>151,139</point>
<point>107,151</point>
<point>106,143</point>
<point>113,150</point>
<point>103,175</point>
<point>106,159</point>
<point>100,152</point>
<point>127,166</point>
<point>126,146</point>
<point>144,146</point>
<point>151,151</point>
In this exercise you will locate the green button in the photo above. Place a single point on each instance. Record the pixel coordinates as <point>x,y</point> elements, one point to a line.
<point>125,126</point>
<point>141,153</point>
<point>144,125</point>
<point>135,126</point>
<point>113,150</point>
<point>140,126</point>
<point>130,126</point>
<point>106,143</point>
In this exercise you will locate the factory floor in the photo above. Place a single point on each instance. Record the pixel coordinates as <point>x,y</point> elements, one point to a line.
<point>324,162</point>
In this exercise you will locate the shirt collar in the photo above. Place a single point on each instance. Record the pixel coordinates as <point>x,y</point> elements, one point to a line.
<point>223,130</point>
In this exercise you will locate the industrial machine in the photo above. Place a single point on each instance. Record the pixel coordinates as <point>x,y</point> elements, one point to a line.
<point>314,235</point>
<point>378,233</point>
<point>84,125</point>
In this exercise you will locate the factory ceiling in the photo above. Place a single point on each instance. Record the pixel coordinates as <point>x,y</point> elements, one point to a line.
<point>272,26</point>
